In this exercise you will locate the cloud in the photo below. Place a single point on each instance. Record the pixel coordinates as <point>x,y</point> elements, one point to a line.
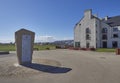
<point>37,39</point>
<point>7,41</point>
<point>45,39</point>
<point>50,38</point>
<point>67,38</point>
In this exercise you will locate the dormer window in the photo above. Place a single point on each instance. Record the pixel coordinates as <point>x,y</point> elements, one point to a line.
<point>115,29</point>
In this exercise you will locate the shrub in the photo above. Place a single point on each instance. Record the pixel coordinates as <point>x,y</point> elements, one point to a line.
<point>47,48</point>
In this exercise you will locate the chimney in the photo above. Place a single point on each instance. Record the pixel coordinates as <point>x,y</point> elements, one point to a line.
<point>106,18</point>
<point>96,15</point>
<point>88,13</point>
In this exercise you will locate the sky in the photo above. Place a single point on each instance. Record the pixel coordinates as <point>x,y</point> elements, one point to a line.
<point>50,19</point>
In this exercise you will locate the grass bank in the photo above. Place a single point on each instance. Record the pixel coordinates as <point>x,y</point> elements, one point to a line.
<point>11,47</point>
<point>105,50</point>
<point>7,47</point>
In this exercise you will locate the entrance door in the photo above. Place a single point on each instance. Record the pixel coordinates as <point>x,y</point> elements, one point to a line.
<point>26,48</point>
<point>115,44</point>
<point>104,44</point>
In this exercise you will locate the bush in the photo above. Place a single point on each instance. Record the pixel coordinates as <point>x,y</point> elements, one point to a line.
<point>58,47</point>
<point>83,49</point>
<point>92,49</point>
<point>47,48</point>
<point>35,49</point>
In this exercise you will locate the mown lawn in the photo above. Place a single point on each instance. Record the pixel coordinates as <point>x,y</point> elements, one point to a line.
<point>11,47</point>
<point>105,50</point>
<point>7,47</point>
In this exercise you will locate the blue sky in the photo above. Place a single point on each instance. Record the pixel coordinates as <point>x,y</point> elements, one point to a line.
<point>49,19</point>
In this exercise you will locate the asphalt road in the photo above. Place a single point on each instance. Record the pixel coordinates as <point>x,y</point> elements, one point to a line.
<point>84,67</point>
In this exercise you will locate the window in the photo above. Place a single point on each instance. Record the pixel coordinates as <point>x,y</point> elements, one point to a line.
<point>87,45</point>
<point>104,37</point>
<point>88,30</point>
<point>88,37</point>
<point>104,43</point>
<point>96,25</point>
<point>88,34</point>
<point>115,29</point>
<point>114,44</point>
<point>77,44</point>
<point>104,30</point>
<point>115,35</point>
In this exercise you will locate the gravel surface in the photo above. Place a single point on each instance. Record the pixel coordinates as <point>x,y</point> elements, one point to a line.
<point>62,66</point>
<point>9,68</point>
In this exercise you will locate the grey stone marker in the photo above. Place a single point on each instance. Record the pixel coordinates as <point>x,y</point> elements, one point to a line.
<point>24,45</point>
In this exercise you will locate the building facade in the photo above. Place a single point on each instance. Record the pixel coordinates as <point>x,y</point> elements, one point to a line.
<point>94,32</point>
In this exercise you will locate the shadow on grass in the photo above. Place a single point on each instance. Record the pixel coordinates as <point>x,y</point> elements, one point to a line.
<point>47,68</point>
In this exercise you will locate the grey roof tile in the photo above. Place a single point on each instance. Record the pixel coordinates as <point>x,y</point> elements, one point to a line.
<point>113,21</point>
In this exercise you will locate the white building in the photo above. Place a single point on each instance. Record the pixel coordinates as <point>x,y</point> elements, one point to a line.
<point>93,32</point>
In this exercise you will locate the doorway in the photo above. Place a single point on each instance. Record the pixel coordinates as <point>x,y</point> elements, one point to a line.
<point>87,45</point>
<point>114,44</point>
<point>104,44</point>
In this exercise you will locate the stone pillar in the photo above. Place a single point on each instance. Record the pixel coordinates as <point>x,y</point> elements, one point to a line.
<point>24,40</point>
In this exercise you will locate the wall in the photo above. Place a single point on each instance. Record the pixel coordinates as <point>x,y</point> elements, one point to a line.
<point>77,34</point>
<point>98,33</point>
<point>80,31</point>
<point>115,39</point>
<point>104,25</point>
<point>96,25</point>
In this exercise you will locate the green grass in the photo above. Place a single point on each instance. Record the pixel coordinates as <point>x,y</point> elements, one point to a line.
<point>11,47</point>
<point>105,50</point>
<point>7,47</point>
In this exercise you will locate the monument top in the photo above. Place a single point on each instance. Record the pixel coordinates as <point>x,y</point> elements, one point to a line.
<point>24,31</point>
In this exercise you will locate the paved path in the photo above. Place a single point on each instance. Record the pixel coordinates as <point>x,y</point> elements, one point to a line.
<point>87,67</point>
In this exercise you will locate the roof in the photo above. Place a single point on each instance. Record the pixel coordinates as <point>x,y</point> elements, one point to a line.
<point>24,31</point>
<point>113,21</point>
<point>93,16</point>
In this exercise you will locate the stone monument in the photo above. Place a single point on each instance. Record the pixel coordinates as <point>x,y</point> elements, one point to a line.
<point>24,40</point>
